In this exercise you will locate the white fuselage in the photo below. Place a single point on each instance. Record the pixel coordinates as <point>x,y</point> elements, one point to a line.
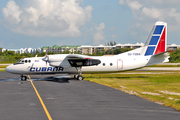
<point>108,64</point>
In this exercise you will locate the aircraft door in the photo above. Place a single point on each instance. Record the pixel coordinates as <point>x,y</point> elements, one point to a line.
<point>119,64</point>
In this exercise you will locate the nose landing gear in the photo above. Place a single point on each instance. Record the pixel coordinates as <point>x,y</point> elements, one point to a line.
<point>23,78</point>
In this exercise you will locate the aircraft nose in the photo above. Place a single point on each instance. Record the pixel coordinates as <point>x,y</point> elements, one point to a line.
<point>9,68</point>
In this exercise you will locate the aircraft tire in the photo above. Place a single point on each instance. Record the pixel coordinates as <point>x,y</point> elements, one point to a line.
<point>23,78</point>
<point>80,77</point>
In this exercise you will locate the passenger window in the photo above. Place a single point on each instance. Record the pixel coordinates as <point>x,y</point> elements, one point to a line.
<point>111,64</point>
<point>25,61</point>
<point>104,64</point>
<point>29,61</point>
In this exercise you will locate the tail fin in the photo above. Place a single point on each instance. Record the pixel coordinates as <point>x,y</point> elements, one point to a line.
<point>157,40</point>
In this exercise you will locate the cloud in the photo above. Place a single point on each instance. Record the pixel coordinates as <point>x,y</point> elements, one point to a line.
<point>121,2</point>
<point>167,2</point>
<point>152,12</point>
<point>12,12</point>
<point>57,18</point>
<point>99,34</point>
<point>134,5</point>
<point>100,27</point>
<point>145,13</point>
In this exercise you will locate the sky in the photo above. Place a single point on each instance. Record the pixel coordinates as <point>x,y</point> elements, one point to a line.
<point>38,23</point>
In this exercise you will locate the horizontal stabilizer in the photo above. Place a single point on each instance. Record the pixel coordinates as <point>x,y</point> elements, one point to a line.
<point>158,58</point>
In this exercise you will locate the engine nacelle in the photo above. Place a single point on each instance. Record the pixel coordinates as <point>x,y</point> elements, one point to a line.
<point>55,60</point>
<point>55,64</point>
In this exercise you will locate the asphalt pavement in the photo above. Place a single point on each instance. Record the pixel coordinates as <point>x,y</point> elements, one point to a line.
<point>70,99</point>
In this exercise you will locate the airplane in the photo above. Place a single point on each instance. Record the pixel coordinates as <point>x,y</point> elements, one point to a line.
<point>153,52</point>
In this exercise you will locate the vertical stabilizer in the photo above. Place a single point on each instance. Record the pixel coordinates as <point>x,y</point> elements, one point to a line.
<point>157,40</point>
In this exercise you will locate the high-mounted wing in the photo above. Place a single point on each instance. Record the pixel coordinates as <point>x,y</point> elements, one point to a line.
<point>83,62</point>
<point>75,60</point>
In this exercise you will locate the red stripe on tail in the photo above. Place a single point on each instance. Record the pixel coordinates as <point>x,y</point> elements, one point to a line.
<point>162,43</point>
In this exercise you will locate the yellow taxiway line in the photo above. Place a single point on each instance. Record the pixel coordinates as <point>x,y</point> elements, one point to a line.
<point>42,103</point>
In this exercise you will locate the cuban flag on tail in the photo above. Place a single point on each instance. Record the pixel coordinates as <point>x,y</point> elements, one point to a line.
<point>156,42</point>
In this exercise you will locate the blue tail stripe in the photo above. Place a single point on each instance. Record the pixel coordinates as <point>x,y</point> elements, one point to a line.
<point>150,50</point>
<point>158,29</point>
<point>154,40</point>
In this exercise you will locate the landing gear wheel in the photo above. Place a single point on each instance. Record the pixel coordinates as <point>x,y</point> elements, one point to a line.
<point>80,77</point>
<point>23,78</point>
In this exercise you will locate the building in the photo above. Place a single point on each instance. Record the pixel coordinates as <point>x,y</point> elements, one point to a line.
<point>132,46</point>
<point>84,49</point>
<point>71,49</point>
<point>87,49</point>
<point>55,49</point>
<point>24,50</point>
<point>15,50</point>
<point>59,49</point>
<point>173,47</point>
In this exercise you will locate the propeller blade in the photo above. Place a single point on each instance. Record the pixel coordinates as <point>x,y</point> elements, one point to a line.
<point>45,58</point>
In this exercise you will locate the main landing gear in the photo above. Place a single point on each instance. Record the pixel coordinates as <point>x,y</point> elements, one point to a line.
<point>79,77</point>
<point>23,78</point>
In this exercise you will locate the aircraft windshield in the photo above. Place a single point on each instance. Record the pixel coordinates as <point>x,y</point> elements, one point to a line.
<point>21,61</point>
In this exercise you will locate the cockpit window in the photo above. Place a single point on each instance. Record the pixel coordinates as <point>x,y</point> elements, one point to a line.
<point>21,61</point>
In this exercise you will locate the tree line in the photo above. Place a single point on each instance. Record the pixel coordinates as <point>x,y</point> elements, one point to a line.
<point>12,57</point>
<point>175,56</point>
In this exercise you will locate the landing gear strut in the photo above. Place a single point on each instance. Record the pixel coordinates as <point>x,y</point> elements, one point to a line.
<point>23,78</point>
<point>79,77</point>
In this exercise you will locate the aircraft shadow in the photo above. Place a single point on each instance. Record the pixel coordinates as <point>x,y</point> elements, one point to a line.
<point>59,79</point>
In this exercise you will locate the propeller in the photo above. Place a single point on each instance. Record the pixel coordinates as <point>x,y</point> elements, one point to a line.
<point>45,58</point>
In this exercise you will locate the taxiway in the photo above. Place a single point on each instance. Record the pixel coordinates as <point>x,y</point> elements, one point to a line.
<point>69,99</point>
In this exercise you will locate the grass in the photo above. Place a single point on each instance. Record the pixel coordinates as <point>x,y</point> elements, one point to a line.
<point>139,83</point>
<point>3,66</point>
<point>164,66</point>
